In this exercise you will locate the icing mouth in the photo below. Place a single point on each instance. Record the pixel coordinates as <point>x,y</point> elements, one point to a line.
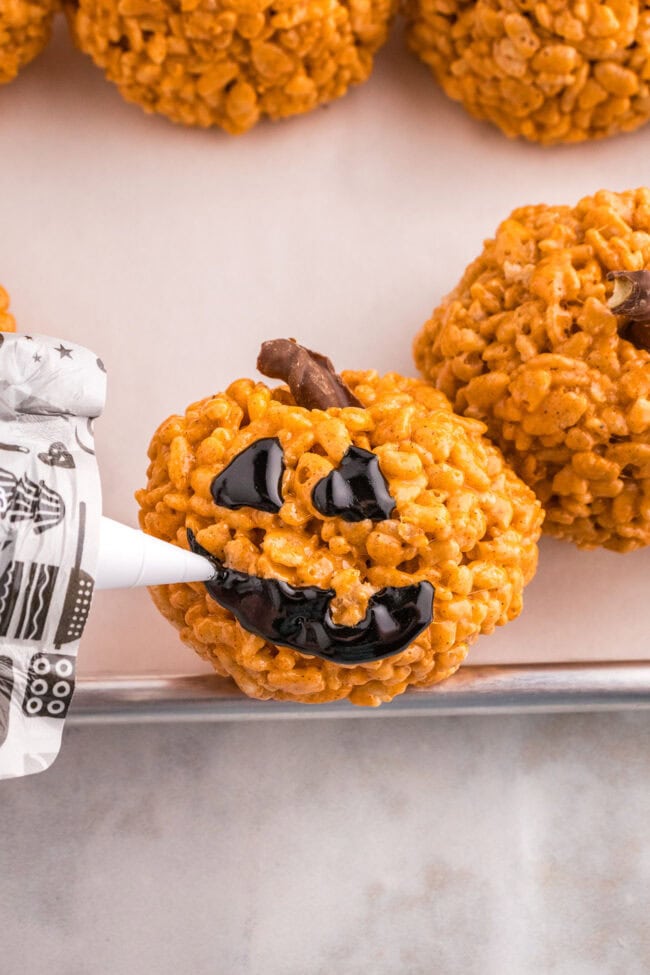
<point>300,617</point>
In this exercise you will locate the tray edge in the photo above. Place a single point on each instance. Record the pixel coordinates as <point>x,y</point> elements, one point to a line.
<point>509,689</point>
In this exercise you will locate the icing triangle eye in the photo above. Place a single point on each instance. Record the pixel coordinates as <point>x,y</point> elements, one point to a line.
<point>253,479</point>
<point>356,490</point>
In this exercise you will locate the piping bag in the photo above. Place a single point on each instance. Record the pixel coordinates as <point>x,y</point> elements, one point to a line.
<point>55,546</point>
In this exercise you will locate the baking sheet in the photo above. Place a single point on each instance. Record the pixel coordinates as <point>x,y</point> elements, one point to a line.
<point>174,253</point>
<point>509,689</point>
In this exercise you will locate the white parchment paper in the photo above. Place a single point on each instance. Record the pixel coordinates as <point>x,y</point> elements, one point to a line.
<point>177,251</point>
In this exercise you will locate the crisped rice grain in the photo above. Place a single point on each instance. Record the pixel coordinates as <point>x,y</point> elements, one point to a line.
<point>231,62</point>
<point>7,321</point>
<point>25,27</point>
<point>527,344</point>
<point>548,71</point>
<point>464,521</point>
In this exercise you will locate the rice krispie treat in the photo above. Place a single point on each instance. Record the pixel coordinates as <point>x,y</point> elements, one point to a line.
<point>362,535</point>
<point>550,72</point>
<point>231,62</point>
<point>25,27</point>
<point>533,342</point>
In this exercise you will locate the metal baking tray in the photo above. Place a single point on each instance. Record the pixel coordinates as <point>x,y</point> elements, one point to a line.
<point>580,644</point>
<point>473,690</point>
<point>173,253</point>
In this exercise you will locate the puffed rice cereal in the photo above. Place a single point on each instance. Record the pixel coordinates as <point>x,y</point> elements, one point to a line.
<point>463,521</point>
<point>527,343</point>
<point>549,71</point>
<point>7,321</point>
<point>25,27</point>
<point>231,62</point>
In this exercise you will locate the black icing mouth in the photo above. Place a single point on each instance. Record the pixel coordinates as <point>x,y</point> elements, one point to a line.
<point>300,617</point>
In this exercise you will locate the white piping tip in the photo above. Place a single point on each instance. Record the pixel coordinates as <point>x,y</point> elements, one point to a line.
<point>130,558</point>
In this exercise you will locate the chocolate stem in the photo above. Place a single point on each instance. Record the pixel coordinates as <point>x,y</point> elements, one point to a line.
<point>631,298</point>
<point>309,375</point>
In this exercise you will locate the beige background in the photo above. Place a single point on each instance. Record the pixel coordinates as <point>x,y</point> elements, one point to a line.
<point>173,253</point>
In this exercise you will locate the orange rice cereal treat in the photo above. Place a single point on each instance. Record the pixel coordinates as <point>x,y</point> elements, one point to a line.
<point>25,27</point>
<point>362,535</point>
<point>7,321</point>
<point>534,343</point>
<point>548,71</point>
<point>231,62</point>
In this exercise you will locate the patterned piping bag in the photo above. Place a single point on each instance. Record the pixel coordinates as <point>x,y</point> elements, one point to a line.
<point>50,509</point>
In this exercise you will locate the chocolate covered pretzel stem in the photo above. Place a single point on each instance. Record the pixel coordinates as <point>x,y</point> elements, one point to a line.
<point>310,376</point>
<point>631,298</point>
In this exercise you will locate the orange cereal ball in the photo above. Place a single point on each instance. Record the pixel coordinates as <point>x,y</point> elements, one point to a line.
<point>529,342</point>
<point>231,62</point>
<point>7,321</point>
<point>25,27</point>
<point>359,548</point>
<point>550,72</point>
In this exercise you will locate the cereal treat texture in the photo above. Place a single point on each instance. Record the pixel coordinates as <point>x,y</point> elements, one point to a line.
<point>526,342</point>
<point>25,27</point>
<point>231,62</point>
<point>547,71</point>
<point>7,322</point>
<point>463,521</point>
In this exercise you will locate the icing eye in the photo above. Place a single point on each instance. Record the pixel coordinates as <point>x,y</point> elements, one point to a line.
<point>356,490</point>
<point>253,479</point>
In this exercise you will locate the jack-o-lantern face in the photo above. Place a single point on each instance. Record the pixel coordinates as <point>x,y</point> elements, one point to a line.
<point>300,617</point>
<point>362,535</point>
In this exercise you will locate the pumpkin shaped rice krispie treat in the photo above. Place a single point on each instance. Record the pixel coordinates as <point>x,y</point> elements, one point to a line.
<point>544,339</point>
<point>231,62</point>
<point>25,27</point>
<point>362,535</point>
<point>550,72</point>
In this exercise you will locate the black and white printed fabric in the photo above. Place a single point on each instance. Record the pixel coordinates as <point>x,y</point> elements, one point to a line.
<point>50,510</point>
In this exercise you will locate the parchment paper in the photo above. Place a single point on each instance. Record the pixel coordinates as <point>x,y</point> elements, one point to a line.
<point>175,252</point>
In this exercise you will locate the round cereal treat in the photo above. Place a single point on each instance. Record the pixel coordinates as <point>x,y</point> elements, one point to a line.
<point>548,72</point>
<point>534,343</point>
<point>362,535</point>
<point>231,62</point>
<point>25,27</point>
<point>7,321</point>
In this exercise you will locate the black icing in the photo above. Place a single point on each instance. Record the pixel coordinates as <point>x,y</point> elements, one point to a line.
<point>356,490</point>
<point>300,618</point>
<point>253,479</point>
